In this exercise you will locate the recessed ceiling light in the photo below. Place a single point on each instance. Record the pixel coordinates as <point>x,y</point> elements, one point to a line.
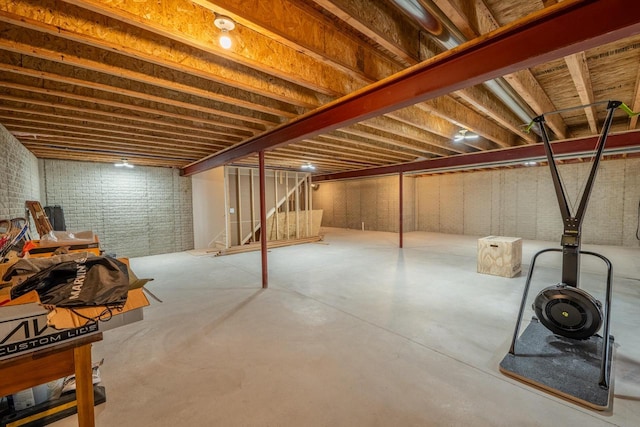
<point>225,24</point>
<point>123,164</point>
<point>308,166</point>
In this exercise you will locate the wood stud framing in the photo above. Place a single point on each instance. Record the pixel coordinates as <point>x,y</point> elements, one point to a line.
<point>283,201</point>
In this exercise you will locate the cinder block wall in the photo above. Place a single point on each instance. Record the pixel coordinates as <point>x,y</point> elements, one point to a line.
<point>409,208</point>
<point>521,202</point>
<point>372,201</point>
<point>19,178</point>
<point>511,202</point>
<point>134,212</point>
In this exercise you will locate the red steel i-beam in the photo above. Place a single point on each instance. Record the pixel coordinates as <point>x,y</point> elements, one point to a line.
<point>552,33</point>
<point>626,141</point>
<point>263,220</point>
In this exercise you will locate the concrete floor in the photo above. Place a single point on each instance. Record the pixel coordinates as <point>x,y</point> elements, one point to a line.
<point>351,332</point>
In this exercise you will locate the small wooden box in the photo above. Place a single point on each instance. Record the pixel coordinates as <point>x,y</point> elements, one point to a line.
<point>500,256</point>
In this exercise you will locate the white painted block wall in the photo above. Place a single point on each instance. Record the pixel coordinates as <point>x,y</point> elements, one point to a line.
<point>135,212</point>
<point>522,203</point>
<point>511,202</point>
<point>19,177</point>
<point>372,201</point>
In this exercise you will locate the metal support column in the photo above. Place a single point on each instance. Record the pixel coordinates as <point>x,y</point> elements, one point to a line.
<point>400,206</point>
<point>263,221</point>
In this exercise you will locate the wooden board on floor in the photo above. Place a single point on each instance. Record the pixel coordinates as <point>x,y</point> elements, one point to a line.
<point>270,245</point>
<point>561,366</point>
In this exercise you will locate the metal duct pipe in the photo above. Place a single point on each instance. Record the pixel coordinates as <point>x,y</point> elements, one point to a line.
<point>525,115</point>
<point>432,20</point>
<point>430,23</point>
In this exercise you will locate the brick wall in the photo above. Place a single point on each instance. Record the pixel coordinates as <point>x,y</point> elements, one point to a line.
<point>19,176</point>
<point>521,202</point>
<point>372,201</point>
<point>511,202</point>
<point>451,204</point>
<point>427,201</point>
<point>474,220</point>
<point>409,204</point>
<point>631,202</point>
<point>135,212</point>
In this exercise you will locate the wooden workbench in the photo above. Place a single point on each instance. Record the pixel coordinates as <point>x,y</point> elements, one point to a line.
<point>39,367</point>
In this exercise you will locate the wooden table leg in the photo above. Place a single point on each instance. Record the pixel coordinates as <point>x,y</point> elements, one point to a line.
<point>84,385</point>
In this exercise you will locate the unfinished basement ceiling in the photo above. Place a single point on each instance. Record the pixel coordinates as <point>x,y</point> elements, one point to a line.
<point>148,81</point>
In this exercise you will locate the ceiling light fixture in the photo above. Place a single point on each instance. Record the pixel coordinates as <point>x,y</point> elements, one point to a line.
<point>123,164</point>
<point>308,166</point>
<point>225,24</point>
<point>530,163</point>
<point>462,134</point>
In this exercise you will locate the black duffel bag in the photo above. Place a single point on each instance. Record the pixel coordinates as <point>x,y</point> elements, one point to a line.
<point>85,282</point>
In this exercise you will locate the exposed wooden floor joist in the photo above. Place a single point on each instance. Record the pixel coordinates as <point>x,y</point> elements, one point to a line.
<point>155,70</point>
